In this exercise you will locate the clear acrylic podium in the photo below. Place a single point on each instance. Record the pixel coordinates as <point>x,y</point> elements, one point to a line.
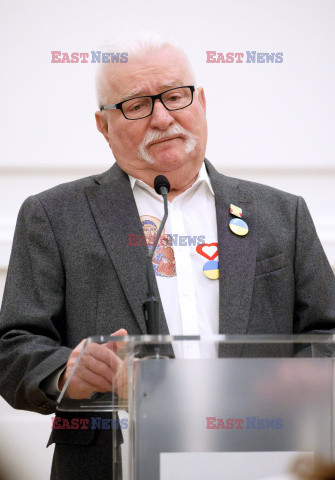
<point>237,407</point>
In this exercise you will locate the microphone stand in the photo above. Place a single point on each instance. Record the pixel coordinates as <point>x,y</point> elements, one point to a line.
<point>151,305</point>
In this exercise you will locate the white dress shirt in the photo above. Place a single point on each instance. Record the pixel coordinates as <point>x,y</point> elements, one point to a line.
<point>190,299</point>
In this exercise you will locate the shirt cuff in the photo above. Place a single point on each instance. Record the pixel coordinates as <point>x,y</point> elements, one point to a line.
<point>51,383</point>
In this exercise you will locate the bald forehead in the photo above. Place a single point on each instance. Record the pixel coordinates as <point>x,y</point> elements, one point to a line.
<point>148,74</point>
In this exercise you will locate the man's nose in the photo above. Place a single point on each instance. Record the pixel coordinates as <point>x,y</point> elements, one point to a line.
<point>161,117</point>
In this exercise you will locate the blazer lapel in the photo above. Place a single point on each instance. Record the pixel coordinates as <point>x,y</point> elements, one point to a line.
<point>237,255</point>
<point>114,209</point>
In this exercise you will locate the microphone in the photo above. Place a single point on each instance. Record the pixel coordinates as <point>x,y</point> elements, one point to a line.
<point>161,185</point>
<point>150,306</point>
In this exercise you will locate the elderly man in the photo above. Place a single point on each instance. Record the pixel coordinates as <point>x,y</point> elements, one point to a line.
<point>73,272</point>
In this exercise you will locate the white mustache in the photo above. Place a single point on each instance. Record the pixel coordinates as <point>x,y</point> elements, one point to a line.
<point>153,136</point>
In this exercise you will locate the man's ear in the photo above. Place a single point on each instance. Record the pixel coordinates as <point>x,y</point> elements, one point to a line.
<point>202,98</point>
<point>102,124</point>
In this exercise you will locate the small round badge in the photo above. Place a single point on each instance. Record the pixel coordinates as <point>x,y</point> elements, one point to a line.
<point>238,226</point>
<point>211,269</point>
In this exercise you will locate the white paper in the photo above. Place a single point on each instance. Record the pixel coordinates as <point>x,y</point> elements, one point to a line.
<point>226,465</point>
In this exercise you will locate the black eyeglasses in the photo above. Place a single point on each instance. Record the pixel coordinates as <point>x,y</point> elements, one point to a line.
<point>141,107</point>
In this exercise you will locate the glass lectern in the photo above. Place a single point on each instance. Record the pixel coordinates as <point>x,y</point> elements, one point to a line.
<point>237,407</point>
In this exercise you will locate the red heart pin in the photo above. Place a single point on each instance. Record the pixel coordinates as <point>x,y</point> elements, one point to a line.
<point>208,250</point>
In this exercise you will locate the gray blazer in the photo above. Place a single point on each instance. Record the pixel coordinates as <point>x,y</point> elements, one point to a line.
<point>72,275</point>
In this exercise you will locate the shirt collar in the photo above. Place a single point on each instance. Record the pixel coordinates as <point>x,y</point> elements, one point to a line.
<point>202,177</point>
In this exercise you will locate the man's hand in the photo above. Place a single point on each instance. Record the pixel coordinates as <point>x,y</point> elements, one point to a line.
<point>96,370</point>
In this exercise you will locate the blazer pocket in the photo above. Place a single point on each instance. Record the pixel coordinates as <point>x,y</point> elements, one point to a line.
<point>270,264</point>
<point>71,437</point>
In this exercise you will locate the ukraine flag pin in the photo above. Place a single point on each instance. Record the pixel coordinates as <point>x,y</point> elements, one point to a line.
<point>239,227</point>
<point>211,269</point>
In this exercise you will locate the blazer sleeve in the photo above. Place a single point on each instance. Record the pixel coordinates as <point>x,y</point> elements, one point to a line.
<point>32,316</point>
<point>314,278</point>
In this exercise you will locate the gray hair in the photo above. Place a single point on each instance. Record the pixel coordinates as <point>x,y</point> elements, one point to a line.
<point>136,46</point>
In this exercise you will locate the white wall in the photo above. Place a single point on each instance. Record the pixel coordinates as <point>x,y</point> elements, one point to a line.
<point>272,123</point>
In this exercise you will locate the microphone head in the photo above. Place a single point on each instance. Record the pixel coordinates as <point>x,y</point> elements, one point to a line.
<point>161,185</point>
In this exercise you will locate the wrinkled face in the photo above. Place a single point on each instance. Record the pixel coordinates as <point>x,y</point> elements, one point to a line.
<point>167,140</point>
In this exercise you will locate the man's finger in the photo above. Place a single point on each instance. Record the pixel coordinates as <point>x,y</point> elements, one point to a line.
<point>117,346</point>
<point>104,364</point>
<point>98,382</point>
